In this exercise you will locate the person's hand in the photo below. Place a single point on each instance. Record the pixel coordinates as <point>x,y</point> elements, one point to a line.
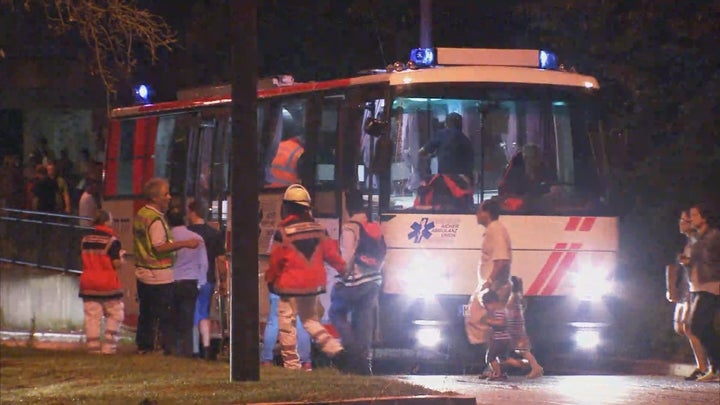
<point>683,260</point>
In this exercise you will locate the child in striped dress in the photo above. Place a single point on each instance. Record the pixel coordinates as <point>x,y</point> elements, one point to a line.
<point>516,327</point>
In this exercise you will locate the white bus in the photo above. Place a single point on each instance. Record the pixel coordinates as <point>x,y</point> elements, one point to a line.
<point>535,148</point>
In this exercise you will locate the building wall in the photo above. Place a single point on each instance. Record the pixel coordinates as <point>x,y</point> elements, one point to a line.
<point>50,297</point>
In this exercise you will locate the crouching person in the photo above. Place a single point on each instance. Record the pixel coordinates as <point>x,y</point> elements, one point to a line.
<point>100,286</point>
<point>296,273</point>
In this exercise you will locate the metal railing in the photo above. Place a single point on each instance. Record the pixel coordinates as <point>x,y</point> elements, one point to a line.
<point>41,239</point>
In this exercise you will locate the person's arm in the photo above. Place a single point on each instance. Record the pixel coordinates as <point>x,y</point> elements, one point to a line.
<point>65,196</point>
<point>114,253</point>
<point>277,259</point>
<point>348,242</point>
<point>331,253</point>
<point>499,266</point>
<point>430,147</point>
<point>500,256</point>
<point>202,251</point>
<point>161,244</point>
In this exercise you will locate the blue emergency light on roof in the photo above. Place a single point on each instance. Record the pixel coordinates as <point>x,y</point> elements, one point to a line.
<point>532,58</point>
<point>142,94</point>
<point>547,60</point>
<point>423,57</point>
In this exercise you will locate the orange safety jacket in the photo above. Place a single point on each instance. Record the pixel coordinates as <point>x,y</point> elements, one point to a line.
<point>99,278</point>
<point>300,248</point>
<point>284,166</point>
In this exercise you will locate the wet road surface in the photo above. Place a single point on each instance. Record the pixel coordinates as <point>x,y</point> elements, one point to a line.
<point>585,390</point>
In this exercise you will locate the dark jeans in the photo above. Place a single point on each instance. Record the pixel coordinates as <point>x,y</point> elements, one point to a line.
<point>704,308</point>
<point>361,303</point>
<point>155,308</point>
<point>185,294</point>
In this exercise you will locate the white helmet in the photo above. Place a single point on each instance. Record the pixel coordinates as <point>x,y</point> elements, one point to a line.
<point>297,194</point>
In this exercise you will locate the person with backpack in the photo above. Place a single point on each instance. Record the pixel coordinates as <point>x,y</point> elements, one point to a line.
<point>356,292</point>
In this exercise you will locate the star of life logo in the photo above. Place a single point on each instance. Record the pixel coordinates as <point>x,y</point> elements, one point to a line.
<point>421,230</point>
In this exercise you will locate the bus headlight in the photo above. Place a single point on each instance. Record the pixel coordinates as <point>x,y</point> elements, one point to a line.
<point>592,283</point>
<point>428,336</point>
<point>587,339</point>
<point>424,277</point>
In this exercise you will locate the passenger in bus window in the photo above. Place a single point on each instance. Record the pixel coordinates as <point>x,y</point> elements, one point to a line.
<point>288,163</point>
<point>451,187</point>
<point>154,249</point>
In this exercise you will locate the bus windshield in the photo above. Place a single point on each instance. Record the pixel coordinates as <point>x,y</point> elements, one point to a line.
<point>455,145</point>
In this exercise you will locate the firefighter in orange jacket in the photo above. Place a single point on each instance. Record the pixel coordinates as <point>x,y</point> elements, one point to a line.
<point>100,287</point>
<point>296,273</point>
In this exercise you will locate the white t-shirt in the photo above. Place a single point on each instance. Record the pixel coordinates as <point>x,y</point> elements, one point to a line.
<point>496,246</point>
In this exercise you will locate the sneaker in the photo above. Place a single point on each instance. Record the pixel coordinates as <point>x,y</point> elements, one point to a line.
<point>536,372</point>
<point>342,361</point>
<point>694,375</point>
<point>307,366</point>
<point>710,376</point>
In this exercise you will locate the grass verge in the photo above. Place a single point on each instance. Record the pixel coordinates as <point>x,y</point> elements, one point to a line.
<point>30,375</point>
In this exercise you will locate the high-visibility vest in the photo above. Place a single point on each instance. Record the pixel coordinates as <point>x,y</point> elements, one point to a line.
<point>99,278</point>
<point>145,255</point>
<point>283,169</point>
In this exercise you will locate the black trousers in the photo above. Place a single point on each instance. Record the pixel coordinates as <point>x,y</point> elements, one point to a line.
<point>704,308</point>
<point>185,294</point>
<point>155,302</point>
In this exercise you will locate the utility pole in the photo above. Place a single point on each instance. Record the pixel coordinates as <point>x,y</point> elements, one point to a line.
<point>426,23</point>
<point>244,324</point>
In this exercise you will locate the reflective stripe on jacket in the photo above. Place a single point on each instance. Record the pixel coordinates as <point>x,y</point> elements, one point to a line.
<point>145,255</point>
<point>283,169</point>
<point>99,278</point>
<point>300,248</point>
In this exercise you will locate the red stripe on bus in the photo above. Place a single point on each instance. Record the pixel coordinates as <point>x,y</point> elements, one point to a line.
<point>587,224</point>
<point>562,269</point>
<point>546,270</point>
<point>111,164</point>
<point>151,133</point>
<point>573,223</point>
<point>139,139</point>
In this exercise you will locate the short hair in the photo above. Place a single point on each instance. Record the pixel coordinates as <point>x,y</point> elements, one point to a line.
<point>197,207</point>
<point>454,120</point>
<point>707,211</point>
<point>489,297</point>
<point>176,217</point>
<point>101,217</point>
<point>152,187</point>
<point>492,207</point>
<point>354,202</point>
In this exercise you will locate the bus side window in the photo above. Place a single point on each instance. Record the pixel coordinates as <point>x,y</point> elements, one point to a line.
<point>283,137</point>
<point>324,146</point>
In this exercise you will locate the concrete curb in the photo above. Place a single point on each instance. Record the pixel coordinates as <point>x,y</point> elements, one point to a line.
<point>422,400</point>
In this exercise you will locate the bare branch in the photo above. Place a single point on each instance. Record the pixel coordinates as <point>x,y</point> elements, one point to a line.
<point>112,29</point>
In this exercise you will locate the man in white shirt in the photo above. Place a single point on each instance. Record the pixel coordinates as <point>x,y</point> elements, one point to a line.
<point>493,270</point>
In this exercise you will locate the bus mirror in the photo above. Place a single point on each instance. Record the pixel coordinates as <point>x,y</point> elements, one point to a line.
<point>375,127</point>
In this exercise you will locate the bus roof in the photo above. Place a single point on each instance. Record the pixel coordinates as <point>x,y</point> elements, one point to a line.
<point>439,74</point>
